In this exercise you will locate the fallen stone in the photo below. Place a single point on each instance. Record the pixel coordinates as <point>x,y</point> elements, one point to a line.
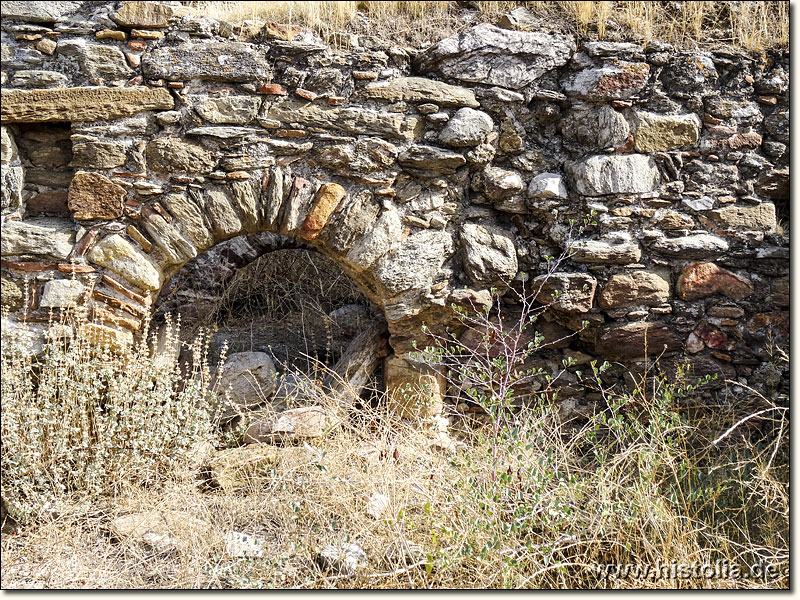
<point>80,104</point>
<point>94,196</point>
<point>489,55</point>
<point>345,559</point>
<point>42,236</point>
<point>290,425</point>
<point>420,89</point>
<point>634,289</point>
<point>699,280</point>
<point>567,292</point>
<point>118,255</point>
<point>237,469</point>
<point>621,174</point>
<point>159,529</point>
<point>248,379</point>
<point>468,127</point>
<point>653,132</point>
<point>490,257</point>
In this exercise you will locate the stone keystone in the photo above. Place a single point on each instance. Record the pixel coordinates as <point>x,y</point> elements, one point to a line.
<point>93,196</point>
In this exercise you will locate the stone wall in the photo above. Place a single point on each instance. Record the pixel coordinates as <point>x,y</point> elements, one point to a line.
<point>135,136</point>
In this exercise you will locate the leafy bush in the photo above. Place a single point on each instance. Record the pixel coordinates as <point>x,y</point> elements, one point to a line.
<point>81,419</point>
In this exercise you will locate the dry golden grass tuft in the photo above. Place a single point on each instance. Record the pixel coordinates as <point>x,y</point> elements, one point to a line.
<point>750,25</point>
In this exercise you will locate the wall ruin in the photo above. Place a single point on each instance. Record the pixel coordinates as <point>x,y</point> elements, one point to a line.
<point>135,136</point>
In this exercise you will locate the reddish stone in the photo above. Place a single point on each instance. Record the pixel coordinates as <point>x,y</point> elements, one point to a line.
<point>82,247</point>
<point>327,199</point>
<point>632,341</point>
<point>238,175</point>
<point>621,103</point>
<point>365,75</point>
<point>274,89</point>
<point>175,84</point>
<point>694,344</point>
<point>146,34</point>
<point>777,322</point>
<point>46,46</point>
<point>137,45</point>
<point>137,236</point>
<point>306,94</point>
<point>27,37</point>
<point>336,100</point>
<point>162,211</point>
<point>138,80</point>
<point>126,291</point>
<point>711,120</point>
<point>105,315</point>
<point>93,196</point>
<point>291,133</point>
<point>281,31</point>
<point>70,268</point>
<point>746,141</point>
<point>28,266</point>
<point>50,203</point>
<point>703,279</point>
<point>117,303</point>
<point>134,60</point>
<point>768,100</point>
<point>714,337</point>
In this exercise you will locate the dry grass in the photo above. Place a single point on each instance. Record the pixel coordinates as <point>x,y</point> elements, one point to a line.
<point>556,502</point>
<point>754,26</point>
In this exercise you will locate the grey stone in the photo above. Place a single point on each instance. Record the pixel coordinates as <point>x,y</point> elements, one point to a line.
<point>500,184</point>
<point>700,245</point>
<point>420,89</point>
<point>382,238</point>
<point>345,559</point>
<point>40,236</point>
<point>365,155</point>
<point>236,110</point>
<point>490,257</point>
<point>592,128</point>
<point>468,127</point>
<point>39,12</point>
<point>547,185</point>
<point>219,208</point>
<point>567,292</point>
<point>415,262</point>
<point>97,60</point>
<point>8,147</point>
<point>62,293</point>
<point>168,155</point>
<point>190,217</point>
<point>248,379</point>
<point>615,252</point>
<point>175,248</point>
<point>39,79</point>
<point>489,55</point>
<point>635,288</point>
<point>361,121</point>
<point>12,180</point>
<point>220,61</point>
<point>620,174</point>
<point>98,155</point>
<point>431,158</point>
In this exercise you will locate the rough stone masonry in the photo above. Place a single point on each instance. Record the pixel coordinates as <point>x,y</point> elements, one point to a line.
<point>136,135</point>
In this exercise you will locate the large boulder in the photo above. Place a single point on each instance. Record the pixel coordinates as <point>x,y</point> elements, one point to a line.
<point>248,378</point>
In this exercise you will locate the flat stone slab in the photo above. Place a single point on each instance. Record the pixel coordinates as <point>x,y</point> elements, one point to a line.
<point>80,104</point>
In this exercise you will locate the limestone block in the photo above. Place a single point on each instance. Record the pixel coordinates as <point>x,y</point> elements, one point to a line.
<point>62,293</point>
<point>420,89</point>
<point>567,292</point>
<point>94,196</point>
<point>468,127</point>
<point>490,257</point>
<point>634,289</point>
<point>143,14</point>
<point>617,174</point>
<point>43,236</point>
<point>117,254</point>
<point>759,217</point>
<point>217,61</point>
<point>653,132</point>
<point>413,390</point>
<point>169,155</point>
<point>80,104</point>
<point>248,379</point>
<point>236,110</point>
<point>703,279</point>
<point>622,80</point>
